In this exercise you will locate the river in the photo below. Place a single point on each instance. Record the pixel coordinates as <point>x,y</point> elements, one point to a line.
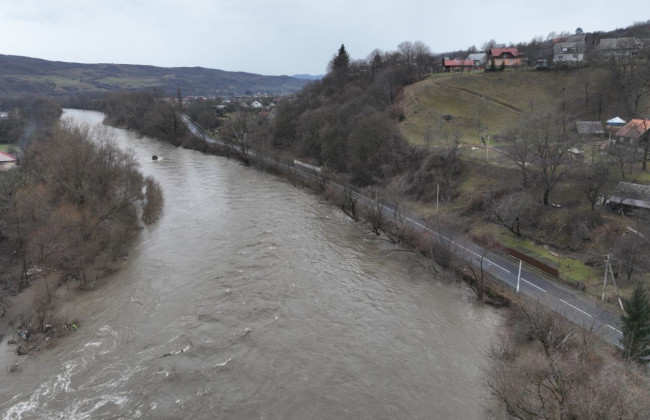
<point>254,299</point>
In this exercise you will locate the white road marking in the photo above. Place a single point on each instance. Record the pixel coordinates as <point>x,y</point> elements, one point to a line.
<point>577,309</point>
<point>618,331</point>
<point>534,285</point>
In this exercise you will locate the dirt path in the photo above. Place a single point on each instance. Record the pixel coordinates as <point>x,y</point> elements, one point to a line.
<point>499,102</point>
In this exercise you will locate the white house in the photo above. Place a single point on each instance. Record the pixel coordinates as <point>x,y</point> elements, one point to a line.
<point>571,49</point>
<point>479,59</point>
<point>256,105</point>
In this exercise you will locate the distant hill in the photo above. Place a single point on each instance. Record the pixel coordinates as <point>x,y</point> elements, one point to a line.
<point>308,76</point>
<point>21,75</point>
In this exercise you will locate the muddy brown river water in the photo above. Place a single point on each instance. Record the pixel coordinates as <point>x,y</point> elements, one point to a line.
<point>253,299</point>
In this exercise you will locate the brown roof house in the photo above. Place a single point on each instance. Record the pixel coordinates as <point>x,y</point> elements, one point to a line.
<point>457,65</point>
<point>508,57</point>
<point>634,131</point>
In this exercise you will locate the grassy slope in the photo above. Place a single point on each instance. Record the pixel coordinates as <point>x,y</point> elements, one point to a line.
<point>500,100</point>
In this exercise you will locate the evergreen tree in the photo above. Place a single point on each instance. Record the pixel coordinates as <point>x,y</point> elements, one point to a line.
<point>342,60</point>
<point>636,326</point>
<point>340,66</point>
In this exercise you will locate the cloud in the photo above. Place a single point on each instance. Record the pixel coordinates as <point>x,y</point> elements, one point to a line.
<point>278,36</point>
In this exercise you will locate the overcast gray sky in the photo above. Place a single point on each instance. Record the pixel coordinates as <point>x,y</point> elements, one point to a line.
<point>277,37</point>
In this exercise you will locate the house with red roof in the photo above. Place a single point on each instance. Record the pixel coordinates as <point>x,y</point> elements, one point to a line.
<point>634,131</point>
<point>508,57</point>
<point>457,65</point>
<point>7,161</point>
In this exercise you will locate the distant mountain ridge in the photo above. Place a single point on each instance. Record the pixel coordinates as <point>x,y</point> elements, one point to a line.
<point>308,76</point>
<point>25,75</point>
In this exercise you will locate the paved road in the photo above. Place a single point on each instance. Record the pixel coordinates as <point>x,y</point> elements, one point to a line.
<point>568,302</point>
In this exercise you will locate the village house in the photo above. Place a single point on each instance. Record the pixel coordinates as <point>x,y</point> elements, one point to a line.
<point>633,132</point>
<point>505,57</point>
<point>479,59</point>
<point>7,161</point>
<point>457,65</point>
<point>627,195</point>
<point>590,128</point>
<point>570,49</point>
<point>256,105</point>
<point>618,47</point>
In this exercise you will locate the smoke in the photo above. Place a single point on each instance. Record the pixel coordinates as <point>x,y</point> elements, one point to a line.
<point>27,134</point>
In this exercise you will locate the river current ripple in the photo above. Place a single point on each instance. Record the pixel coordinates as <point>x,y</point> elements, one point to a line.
<point>253,299</point>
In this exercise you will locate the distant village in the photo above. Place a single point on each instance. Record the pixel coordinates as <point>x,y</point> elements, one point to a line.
<point>263,105</point>
<point>565,50</point>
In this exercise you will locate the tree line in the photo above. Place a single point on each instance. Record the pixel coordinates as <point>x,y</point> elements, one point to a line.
<point>348,122</point>
<point>74,197</point>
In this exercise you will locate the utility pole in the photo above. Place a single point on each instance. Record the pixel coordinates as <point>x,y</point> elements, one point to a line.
<point>605,279</point>
<point>487,148</point>
<point>608,266</point>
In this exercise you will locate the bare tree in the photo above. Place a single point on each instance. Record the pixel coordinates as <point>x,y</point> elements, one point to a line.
<point>479,280</point>
<point>84,201</point>
<point>592,182</point>
<point>520,154</point>
<point>567,374</point>
<point>154,201</point>
<point>621,155</point>
<point>513,210</point>
<point>423,58</point>
<point>238,134</point>
<point>548,147</point>
<point>632,73</point>
<point>631,253</point>
<point>348,202</point>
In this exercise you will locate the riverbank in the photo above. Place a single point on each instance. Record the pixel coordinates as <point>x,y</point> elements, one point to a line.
<point>221,310</point>
<point>40,315</point>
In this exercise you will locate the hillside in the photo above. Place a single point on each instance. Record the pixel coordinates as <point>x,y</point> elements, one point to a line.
<point>20,75</point>
<point>500,101</point>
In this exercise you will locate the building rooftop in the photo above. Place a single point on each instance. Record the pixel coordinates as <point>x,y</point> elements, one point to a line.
<point>589,127</point>
<point>496,52</point>
<point>634,129</point>
<point>6,157</point>
<point>637,195</point>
